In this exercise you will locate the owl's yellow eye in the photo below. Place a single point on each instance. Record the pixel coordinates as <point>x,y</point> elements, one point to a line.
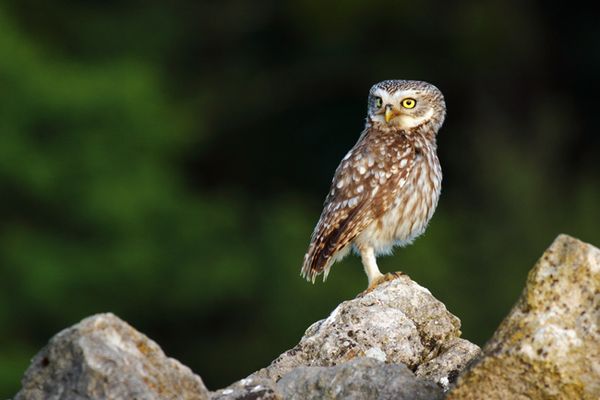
<point>409,103</point>
<point>378,102</point>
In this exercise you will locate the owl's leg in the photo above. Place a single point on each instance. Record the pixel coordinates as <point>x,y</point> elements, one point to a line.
<point>367,254</point>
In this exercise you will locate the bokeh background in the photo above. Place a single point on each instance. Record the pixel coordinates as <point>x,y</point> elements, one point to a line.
<point>167,161</point>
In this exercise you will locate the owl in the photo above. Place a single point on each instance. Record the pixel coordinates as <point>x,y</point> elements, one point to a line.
<point>385,190</point>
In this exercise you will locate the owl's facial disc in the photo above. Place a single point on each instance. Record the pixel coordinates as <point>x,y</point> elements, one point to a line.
<point>404,109</point>
<point>407,119</point>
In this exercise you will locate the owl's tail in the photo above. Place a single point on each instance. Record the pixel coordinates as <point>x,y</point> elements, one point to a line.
<point>319,260</point>
<point>310,267</point>
<point>328,244</point>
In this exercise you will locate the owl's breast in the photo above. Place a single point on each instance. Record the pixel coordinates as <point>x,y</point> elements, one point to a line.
<point>417,203</point>
<point>411,209</point>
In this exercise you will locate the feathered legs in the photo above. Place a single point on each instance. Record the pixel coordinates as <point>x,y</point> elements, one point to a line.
<point>370,264</point>
<point>373,274</point>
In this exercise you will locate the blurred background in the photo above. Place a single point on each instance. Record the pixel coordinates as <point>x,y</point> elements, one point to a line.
<point>167,161</point>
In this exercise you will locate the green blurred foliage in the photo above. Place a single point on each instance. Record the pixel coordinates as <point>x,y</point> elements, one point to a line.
<point>166,161</point>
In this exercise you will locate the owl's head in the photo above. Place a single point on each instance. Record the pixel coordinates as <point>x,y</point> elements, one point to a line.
<point>406,104</point>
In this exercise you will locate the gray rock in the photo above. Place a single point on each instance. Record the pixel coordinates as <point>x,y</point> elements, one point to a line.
<point>548,347</point>
<point>102,357</point>
<point>399,322</point>
<point>445,368</point>
<point>360,379</point>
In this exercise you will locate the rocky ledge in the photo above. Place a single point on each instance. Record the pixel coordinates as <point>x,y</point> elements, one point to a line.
<point>395,342</point>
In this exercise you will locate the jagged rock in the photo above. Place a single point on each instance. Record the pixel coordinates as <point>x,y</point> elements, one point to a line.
<point>399,322</point>
<point>361,379</point>
<point>102,357</point>
<point>548,347</point>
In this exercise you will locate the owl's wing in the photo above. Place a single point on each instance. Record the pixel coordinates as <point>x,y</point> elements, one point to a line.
<point>364,187</point>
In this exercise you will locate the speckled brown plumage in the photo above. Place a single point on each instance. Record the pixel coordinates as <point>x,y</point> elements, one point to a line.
<point>385,190</point>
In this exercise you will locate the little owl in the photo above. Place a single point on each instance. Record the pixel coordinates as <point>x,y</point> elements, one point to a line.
<point>385,190</point>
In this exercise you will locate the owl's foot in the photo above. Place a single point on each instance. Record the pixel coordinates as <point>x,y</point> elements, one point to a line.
<point>390,276</point>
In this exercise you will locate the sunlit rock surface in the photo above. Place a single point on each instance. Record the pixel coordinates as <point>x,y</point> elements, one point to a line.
<point>399,322</point>
<point>548,347</point>
<point>103,357</point>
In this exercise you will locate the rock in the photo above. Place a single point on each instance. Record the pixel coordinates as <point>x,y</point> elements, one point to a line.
<point>548,347</point>
<point>102,357</point>
<point>445,368</point>
<point>361,379</point>
<point>249,389</point>
<point>399,322</point>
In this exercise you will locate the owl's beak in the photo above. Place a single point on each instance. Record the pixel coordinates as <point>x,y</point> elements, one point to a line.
<point>390,112</point>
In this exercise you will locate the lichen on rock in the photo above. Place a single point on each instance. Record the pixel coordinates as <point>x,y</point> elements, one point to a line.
<point>548,347</point>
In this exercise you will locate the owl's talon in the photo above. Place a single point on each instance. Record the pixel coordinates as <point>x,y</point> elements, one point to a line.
<point>390,276</point>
